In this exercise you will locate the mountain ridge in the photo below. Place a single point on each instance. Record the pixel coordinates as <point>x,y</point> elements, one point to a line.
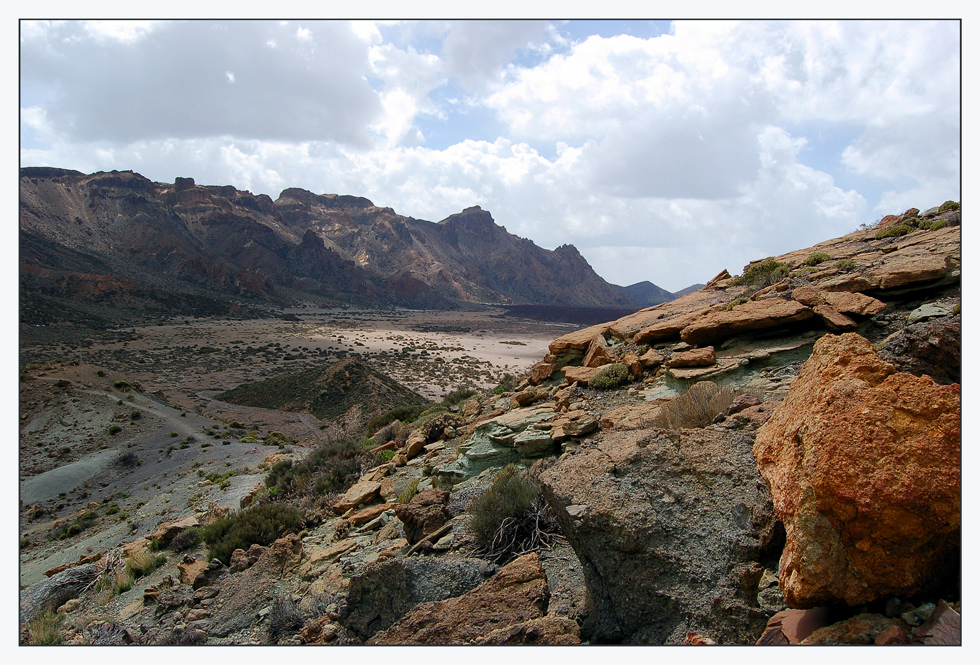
<point>224,243</point>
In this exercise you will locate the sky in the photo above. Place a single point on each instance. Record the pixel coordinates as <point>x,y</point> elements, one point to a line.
<point>663,150</point>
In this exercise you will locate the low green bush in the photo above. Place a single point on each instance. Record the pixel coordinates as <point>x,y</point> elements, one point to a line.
<point>610,376</point>
<point>845,264</point>
<point>261,524</point>
<point>332,466</point>
<point>817,258</point>
<point>458,394</point>
<point>735,303</point>
<point>406,414</point>
<point>506,384</point>
<point>761,274</point>
<point>893,231</point>
<point>185,540</point>
<point>949,205</point>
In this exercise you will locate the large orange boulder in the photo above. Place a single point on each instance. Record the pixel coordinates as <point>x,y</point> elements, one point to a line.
<point>863,463</point>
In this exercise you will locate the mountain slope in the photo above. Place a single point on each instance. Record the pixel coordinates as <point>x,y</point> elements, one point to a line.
<point>222,243</point>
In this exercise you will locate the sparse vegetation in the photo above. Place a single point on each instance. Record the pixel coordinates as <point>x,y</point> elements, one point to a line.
<point>458,394</point>
<point>697,407</point>
<point>332,466</point>
<point>761,274</point>
<point>185,540</point>
<point>949,205</point>
<point>845,264</point>
<point>817,258</point>
<point>610,376</point>
<point>405,414</point>
<point>893,231</point>
<point>258,524</point>
<point>46,628</point>
<point>510,518</point>
<point>410,492</point>
<point>284,617</point>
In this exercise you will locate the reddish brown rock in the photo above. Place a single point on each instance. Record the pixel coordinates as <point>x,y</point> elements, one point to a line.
<point>854,303</point>
<point>424,514</point>
<point>362,492</point>
<point>369,513</point>
<point>808,296</point>
<point>552,630</point>
<point>632,416</point>
<point>860,629</point>
<point>834,319</point>
<point>863,464</point>
<point>793,626</point>
<point>718,324</point>
<point>633,363</point>
<point>515,595</point>
<point>573,423</point>
<point>541,372</point>
<point>893,635</point>
<point>598,353</point>
<point>580,374</point>
<point>942,627</point>
<point>578,340</point>
<point>651,358</point>
<point>703,357</point>
<point>189,570</point>
<point>415,444</point>
<point>669,328</point>
<point>529,396</point>
<point>909,268</point>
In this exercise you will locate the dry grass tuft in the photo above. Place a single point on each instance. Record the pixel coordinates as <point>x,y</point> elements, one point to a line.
<point>697,407</point>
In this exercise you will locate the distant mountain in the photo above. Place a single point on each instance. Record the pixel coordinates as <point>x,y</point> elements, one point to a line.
<point>691,289</point>
<point>647,294</point>
<point>119,239</point>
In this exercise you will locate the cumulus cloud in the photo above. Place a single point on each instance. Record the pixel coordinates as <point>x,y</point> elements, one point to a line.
<point>172,82</point>
<point>667,158</point>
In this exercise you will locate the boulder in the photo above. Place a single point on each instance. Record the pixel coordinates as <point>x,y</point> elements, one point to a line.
<point>684,557</point>
<point>793,626</point>
<point>598,353</point>
<point>515,595</point>
<point>573,423</point>
<point>863,463</point>
<point>360,493</point>
<point>632,361</point>
<point>424,514</point>
<point>703,357</point>
<point>911,267</point>
<point>928,347</point>
<point>573,373</point>
<point>167,530</point>
<point>668,328</point>
<point>529,396</point>
<point>190,568</point>
<point>541,372</point>
<point>651,358</point>
<point>578,340</point>
<point>942,627</point>
<point>386,591</point>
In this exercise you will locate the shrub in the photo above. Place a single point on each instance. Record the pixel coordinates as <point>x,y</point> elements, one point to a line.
<point>949,205</point>
<point>114,429</point>
<point>893,231</point>
<point>695,408</point>
<point>510,518</point>
<point>284,617</point>
<point>761,274</point>
<point>332,466</point>
<point>383,456</point>
<point>141,562</point>
<point>816,258</point>
<point>128,460</point>
<point>406,414</point>
<point>185,540</point>
<point>506,385</point>
<point>845,264</point>
<point>458,394</point>
<point>261,524</point>
<point>610,376</point>
<point>410,492</point>
<point>75,527</point>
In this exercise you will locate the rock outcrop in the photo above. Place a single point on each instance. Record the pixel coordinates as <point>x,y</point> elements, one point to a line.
<point>515,595</point>
<point>670,528</point>
<point>864,467</point>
